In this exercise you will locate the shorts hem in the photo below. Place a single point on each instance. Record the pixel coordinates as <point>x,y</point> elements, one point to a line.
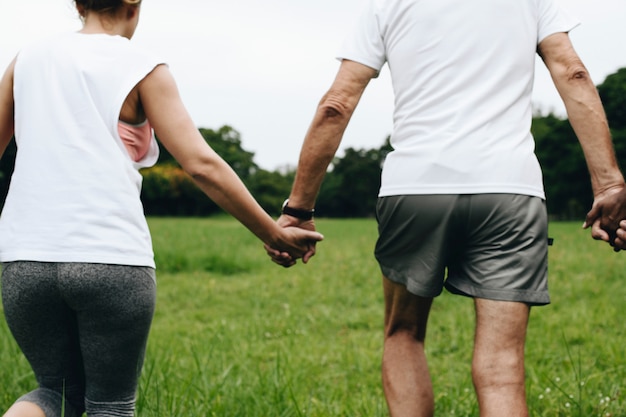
<point>410,285</point>
<point>533,298</point>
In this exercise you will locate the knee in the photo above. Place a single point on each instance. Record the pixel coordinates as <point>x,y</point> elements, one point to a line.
<point>409,330</point>
<point>51,403</point>
<point>406,315</point>
<point>24,408</point>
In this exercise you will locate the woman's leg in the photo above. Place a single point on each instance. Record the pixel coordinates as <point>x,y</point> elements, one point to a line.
<point>24,409</point>
<point>45,329</point>
<point>114,306</point>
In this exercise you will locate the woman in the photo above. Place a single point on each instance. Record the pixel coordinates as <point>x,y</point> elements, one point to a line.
<point>78,280</point>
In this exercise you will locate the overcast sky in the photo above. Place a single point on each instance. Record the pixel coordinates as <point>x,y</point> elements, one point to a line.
<point>262,66</point>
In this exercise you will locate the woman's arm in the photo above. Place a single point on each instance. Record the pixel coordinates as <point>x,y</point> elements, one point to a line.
<point>7,124</point>
<point>175,129</point>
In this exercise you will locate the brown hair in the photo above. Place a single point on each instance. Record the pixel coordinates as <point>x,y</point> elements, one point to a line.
<point>102,6</point>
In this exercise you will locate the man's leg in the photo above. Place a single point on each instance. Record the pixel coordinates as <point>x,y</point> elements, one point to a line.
<point>498,363</point>
<point>406,380</point>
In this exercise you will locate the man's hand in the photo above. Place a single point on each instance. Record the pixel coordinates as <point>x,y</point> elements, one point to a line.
<point>608,210</point>
<point>284,258</point>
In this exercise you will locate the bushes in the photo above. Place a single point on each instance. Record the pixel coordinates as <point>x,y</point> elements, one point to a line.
<point>168,191</point>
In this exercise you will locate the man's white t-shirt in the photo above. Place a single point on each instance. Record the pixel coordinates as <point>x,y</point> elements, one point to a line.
<point>462,74</point>
<point>74,194</point>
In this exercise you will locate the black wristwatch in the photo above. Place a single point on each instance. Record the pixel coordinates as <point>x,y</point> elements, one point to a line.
<point>297,213</point>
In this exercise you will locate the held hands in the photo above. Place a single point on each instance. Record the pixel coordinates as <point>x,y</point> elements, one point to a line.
<point>620,241</point>
<point>303,231</point>
<point>606,217</point>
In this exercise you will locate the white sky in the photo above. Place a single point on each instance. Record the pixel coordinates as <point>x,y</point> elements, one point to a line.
<point>262,66</point>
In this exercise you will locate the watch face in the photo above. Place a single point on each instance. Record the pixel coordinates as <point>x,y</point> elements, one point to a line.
<point>285,203</point>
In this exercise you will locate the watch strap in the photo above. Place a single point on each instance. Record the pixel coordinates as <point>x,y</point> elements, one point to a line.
<point>301,214</point>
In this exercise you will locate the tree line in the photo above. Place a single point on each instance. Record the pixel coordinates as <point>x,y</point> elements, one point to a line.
<point>353,179</point>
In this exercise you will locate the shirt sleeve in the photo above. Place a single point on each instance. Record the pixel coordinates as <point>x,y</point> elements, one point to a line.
<point>364,43</point>
<point>553,19</point>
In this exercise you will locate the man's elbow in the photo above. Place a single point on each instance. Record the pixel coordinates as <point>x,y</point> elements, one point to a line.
<point>574,70</point>
<point>574,82</point>
<point>579,73</point>
<point>330,111</point>
<point>335,106</point>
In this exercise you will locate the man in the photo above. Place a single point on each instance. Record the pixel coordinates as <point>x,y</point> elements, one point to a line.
<point>462,191</point>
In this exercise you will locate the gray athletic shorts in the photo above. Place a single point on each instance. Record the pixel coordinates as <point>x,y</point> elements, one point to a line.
<point>493,246</point>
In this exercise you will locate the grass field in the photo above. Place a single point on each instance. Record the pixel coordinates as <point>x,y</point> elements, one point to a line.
<point>235,335</point>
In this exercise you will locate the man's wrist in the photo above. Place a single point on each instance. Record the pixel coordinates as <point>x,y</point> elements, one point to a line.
<point>298,213</point>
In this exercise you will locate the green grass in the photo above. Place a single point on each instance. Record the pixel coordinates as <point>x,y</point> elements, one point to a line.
<point>236,335</point>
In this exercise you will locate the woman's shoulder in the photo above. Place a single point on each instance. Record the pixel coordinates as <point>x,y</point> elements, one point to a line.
<point>85,45</point>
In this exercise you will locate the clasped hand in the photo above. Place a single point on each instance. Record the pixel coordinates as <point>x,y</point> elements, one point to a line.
<point>308,238</point>
<point>607,218</point>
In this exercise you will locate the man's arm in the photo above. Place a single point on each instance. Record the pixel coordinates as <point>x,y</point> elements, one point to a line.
<point>587,117</point>
<point>6,108</point>
<point>326,131</point>
<point>320,145</point>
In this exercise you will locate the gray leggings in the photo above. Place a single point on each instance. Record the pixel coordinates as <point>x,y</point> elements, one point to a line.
<point>83,329</point>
